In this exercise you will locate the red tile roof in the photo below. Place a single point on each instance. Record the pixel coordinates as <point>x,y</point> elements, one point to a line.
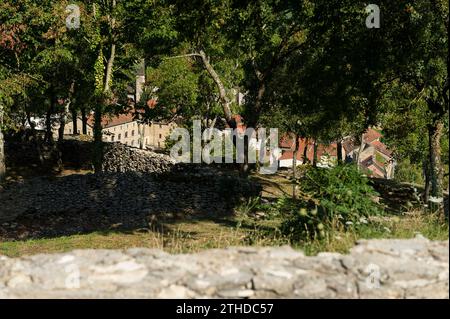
<point>287,143</point>
<point>112,120</point>
<point>382,148</point>
<point>371,135</point>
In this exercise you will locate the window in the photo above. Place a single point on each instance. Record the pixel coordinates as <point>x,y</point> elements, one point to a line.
<point>132,143</point>
<point>70,131</point>
<point>126,134</point>
<point>118,137</point>
<point>132,133</point>
<point>112,138</point>
<point>160,136</point>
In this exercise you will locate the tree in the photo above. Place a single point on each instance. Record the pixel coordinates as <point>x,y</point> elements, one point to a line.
<point>423,74</point>
<point>428,73</point>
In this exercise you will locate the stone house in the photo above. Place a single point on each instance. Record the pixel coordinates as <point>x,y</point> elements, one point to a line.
<point>375,158</point>
<point>126,130</point>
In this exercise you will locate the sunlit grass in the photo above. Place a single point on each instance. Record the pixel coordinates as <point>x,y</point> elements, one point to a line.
<point>194,236</point>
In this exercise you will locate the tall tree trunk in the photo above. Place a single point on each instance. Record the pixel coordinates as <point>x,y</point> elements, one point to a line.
<point>65,113</point>
<point>244,168</point>
<point>305,152</point>
<point>315,154</point>
<point>426,173</point>
<point>224,100</point>
<point>339,152</point>
<point>63,120</point>
<point>84,120</point>
<point>2,148</point>
<point>252,123</point>
<point>98,142</point>
<point>48,125</point>
<point>74,121</point>
<point>104,101</point>
<point>294,167</point>
<point>436,173</point>
<point>35,139</point>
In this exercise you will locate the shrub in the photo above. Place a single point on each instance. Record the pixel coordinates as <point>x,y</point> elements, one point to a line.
<point>409,172</point>
<point>338,195</point>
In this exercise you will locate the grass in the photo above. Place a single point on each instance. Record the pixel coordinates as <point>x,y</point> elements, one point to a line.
<point>181,238</point>
<point>431,226</point>
<point>195,236</point>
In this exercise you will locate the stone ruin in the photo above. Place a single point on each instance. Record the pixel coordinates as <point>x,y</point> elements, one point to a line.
<point>416,268</point>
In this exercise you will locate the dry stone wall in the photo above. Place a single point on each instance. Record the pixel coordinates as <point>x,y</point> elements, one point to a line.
<point>49,207</point>
<point>416,268</point>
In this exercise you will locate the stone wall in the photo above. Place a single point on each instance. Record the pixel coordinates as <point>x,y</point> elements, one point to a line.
<point>415,268</point>
<point>47,207</point>
<point>120,158</point>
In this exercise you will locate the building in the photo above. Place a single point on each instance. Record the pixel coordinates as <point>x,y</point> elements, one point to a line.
<point>325,153</point>
<point>126,130</point>
<point>375,158</point>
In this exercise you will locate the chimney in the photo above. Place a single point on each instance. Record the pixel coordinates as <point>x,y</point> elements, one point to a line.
<point>140,80</point>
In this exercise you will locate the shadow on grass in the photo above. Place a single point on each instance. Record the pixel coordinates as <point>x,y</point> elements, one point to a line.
<point>51,207</point>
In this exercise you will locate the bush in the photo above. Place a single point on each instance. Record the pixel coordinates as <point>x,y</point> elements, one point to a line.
<point>340,195</point>
<point>409,173</point>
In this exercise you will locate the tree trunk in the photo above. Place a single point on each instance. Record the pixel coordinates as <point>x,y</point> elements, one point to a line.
<point>48,124</point>
<point>65,113</point>
<point>75,121</point>
<point>98,132</point>
<point>98,142</point>
<point>104,101</point>
<point>224,100</point>
<point>426,173</point>
<point>305,152</point>
<point>63,120</point>
<point>436,173</point>
<point>2,148</point>
<point>315,154</point>
<point>84,120</point>
<point>35,138</point>
<point>339,152</point>
<point>294,167</point>
<point>252,123</point>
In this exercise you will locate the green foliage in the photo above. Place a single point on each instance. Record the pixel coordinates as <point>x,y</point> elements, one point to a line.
<point>99,73</point>
<point>341,190</point>
<point>337,195</point>
<point>175,86</point>
<point>408,172</point>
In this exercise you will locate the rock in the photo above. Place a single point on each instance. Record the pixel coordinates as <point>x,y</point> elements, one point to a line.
<point>71,204</point>
<point>373,269</point>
